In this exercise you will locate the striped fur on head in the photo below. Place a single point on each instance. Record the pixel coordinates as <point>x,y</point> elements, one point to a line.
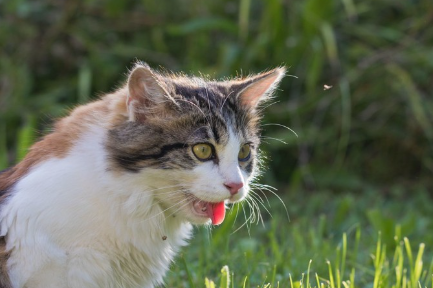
<point>169,113</point>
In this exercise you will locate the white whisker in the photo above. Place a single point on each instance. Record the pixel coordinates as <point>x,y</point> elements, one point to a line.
<point>272,138</point>
<point>269,189</point>
<point>160,213</point>
<point>276,124</point>
<point>263,193</point>
<point>253,195</point>
<point>257,207</point>
<point>245,223</point>
<point>237,212</point>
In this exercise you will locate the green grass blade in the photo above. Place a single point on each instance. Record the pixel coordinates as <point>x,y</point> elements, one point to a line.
<point>307,284</point>
<point>274,275</point>
<point>84,83</point>
<point>417,269</point>
<point>352,278</point>
<point>209,283</point>
<point>245,282</point>
<point>317,280</point>
<point>26,136</point>
<point>225,277</point>
<point>244,14</point>
<point>188,274</point>
<point>3,148</point>
<point>331,276</point>
<point>410,258</point>
<point>343,256</point>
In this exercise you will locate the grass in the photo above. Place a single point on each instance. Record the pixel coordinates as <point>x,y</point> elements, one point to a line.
<point>356,241</point>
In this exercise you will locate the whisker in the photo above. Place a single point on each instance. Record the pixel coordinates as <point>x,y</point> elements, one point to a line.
<point>269,189</point>
<point>160,213</point>
<point>224,102</point>
<point>268,186</point>
<point>196,106</point>
<point>276,124</point>
<point>165,187</point>
<point>189,202</point>
<point>259,214</point>
<point>261,202</point>
<point>263,193</point>
<point>268,105</point>
<point>139,197</point>
<point>245,223</point>
<point>257,207</point>
<point>257,196</point>
<point>237,212</point>
<point>253,215</point>
<point>272,138</point>
<point>246,220</point>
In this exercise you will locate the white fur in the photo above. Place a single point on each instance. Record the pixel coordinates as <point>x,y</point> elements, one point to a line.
<point>71,223</point>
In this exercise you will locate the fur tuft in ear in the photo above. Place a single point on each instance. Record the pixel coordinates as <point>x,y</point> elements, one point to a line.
<point>259,88</point>
<point>146,89</point>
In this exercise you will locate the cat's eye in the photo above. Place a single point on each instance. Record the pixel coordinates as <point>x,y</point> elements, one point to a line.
<point>202,151</point>
<point>244,152</point>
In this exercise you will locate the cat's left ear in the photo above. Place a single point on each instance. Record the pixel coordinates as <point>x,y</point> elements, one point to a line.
<point>147,92</point>
<point>256,89</point>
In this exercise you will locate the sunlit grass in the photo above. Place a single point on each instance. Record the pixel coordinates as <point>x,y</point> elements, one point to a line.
<point>399,271</point>
<point>340,249</point>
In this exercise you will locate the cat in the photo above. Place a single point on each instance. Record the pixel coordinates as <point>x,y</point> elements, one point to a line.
<point>111,194</point>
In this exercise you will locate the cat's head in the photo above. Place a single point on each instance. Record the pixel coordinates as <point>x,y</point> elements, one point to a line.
<point>192,142</point>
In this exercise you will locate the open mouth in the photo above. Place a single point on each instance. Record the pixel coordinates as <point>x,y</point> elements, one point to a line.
<point>215,211</point>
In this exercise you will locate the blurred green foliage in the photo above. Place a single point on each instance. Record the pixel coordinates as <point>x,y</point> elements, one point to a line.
<point>373,127</point>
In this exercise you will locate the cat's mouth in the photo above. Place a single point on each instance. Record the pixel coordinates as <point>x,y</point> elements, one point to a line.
<point>215,211</point>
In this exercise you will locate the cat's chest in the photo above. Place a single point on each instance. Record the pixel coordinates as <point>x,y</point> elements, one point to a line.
<point>144,261</point>
<point>133,267</point>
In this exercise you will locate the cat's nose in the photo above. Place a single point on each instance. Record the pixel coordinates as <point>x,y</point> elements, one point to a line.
<point>234,187</point>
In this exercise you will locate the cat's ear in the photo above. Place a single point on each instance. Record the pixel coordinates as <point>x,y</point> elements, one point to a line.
<point>256,89</point>
<point>146,89</point>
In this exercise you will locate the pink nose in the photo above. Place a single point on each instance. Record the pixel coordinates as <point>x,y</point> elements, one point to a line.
<point>234,187</point>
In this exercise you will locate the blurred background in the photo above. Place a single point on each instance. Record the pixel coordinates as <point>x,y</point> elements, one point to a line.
<point>358,95</point>
<point>360,100</point>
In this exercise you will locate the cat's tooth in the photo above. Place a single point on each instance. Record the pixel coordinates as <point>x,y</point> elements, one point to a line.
<point>204,209</point>
<point>198,206</point>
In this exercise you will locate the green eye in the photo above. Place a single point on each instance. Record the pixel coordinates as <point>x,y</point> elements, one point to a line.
<point>244,153</point>
<point>202,151</point>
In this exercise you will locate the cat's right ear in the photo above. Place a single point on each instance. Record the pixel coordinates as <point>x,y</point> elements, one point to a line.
<point>146,89</point>
<point>254,90</point>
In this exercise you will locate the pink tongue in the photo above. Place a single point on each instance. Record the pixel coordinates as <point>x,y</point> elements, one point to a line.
<point>216,212</point>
